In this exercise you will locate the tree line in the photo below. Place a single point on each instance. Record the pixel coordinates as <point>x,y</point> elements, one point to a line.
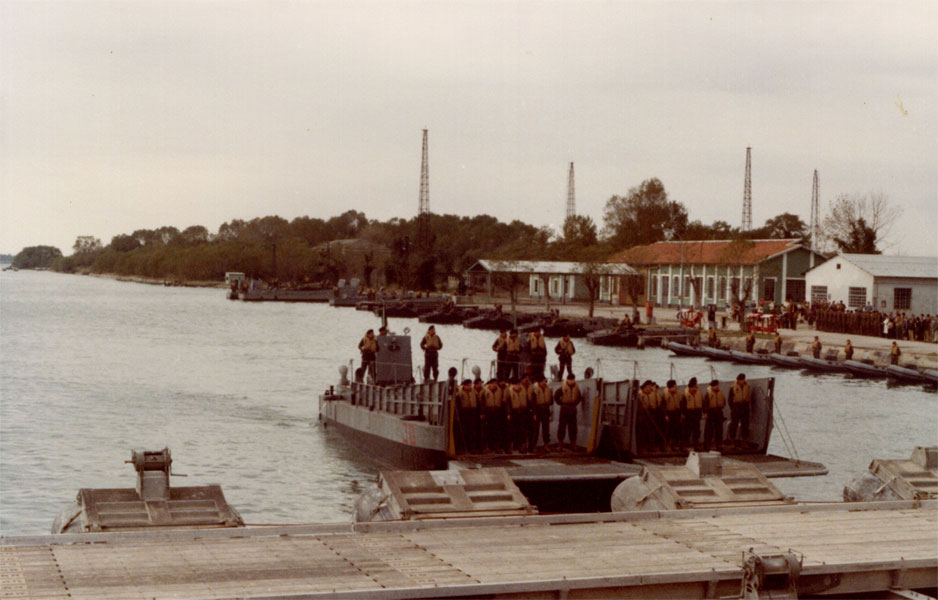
<point>422,251</point>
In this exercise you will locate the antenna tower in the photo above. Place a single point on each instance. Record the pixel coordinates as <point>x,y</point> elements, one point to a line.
<point>815,220</point>
<point>747,193</point>
<point>571,196</point>
<point>424,207</point>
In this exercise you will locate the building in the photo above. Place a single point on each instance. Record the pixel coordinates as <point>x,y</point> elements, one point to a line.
<point>886,283</point>
<point>564,281</point>
<point>702,272</point>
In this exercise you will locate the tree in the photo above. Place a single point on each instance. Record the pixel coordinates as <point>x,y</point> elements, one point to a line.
<point>859,224</point>
<point>579,230</point>
<point>124,243</point>
<point>784,226</point>
<point>194,235</point>
<point>643,216</point>
<point>633,286</point>
<point>36,257</point>
<point>86,244</point>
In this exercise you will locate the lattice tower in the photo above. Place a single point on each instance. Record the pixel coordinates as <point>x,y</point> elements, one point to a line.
<point>747,193</point>
<point>424,207</point>
<point>815,219</point>
<point>571,195</point>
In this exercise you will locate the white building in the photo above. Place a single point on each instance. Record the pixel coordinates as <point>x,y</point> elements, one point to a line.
<point>888,283</point>
<point>562,280</point>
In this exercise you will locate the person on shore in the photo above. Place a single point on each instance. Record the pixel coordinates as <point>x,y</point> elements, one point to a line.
<point>494,415</point>
<point>712,340</point>
<point>894,354</point>
<point>568,397</point>
<point>816,347</point>
<point>369,349</point>
<point>537,348</point>
<point>750,341</point>
<point>467,414</point>
<point>541,398</point>
<point>513,355</point>
<point>693,402</point>
<point>712,316</point>
<point>431,344</point>
<point>674,406</point>
<point>565,351</point>
<point>740,409</point>
<point>517,417</point>
<point>501,354</point>
<point>778,342</point>
<point>848,351</point>
<point>713,407</point>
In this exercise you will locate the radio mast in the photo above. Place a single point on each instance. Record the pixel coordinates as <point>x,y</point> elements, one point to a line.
<point>571,196</point>
<point>815,220</point>
<point>747,193</point>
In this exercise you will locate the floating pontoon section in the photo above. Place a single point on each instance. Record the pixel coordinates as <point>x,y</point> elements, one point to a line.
<point>915,478</point>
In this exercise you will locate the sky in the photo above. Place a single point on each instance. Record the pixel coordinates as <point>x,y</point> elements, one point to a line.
<point>117,116</point>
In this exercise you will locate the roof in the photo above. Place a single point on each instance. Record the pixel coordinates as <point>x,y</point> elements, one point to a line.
<point>880,265</point>
<point>707,252</point>
<point>549,267</point>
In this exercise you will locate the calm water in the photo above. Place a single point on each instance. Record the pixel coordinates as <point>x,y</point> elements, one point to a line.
<point>93,367</point>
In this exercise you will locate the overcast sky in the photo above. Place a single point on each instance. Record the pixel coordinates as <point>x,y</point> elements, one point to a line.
<point>118,116</point>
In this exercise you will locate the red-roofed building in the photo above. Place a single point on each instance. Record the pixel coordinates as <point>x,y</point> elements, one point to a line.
<point>771,270</point>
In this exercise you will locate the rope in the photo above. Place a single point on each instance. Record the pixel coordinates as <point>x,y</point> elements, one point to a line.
<point>784,434</point>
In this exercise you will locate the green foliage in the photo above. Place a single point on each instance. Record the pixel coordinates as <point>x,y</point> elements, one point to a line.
<point>579,230</point>
<point>36,257</point>
<point>644,216</point>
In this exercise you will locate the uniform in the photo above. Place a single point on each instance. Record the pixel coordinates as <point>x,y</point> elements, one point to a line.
<point>750,342</point>
<point>501,353</point>
<point>538,350</point>
<point>467,411</point>
<point>494,414</point>
<point>431,345</point>
<point>778,344</point>
<point>894,354</point>
<point>648,404</point>
<point>512,357</point>
<point>713,407</point>
<point>674,406</point>
<point>517,404</point>
<point>369,350</point>
<point>848,351</point>
<point>816,348</point>
<point>541,398</point>
<point>565,351</point>
<point>568,397</point>
<point>740,407</point>
<point>693,402</point>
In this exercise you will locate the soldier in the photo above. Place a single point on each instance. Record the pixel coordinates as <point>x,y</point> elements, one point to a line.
<point>541,398</point>
<point>648,402</point>
<point>517,417</point>
<point>369,350</point>
<point>501,353</point>
<point>713,406</point>
<point>778,342</point>
<point>538,350</point>
<point>513,356</point>
<point>712,340</point>
<point>431,344</point>
<point>894,354</point>
<point>568,397</point>
<point>750,341</point>
<point>816,347</point>
<point>565,351</point>
<point>674,405</point>
<point>740,404</point>
<point>494,415</point>
<point>693,403</point>
<point>467,414</point>
<point>848,351</point>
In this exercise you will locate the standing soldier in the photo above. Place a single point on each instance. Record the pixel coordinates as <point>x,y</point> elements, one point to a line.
<point>467,413</point>
<point>778,342</point>
<point>713,429</point>
<point>740,403</point>
<point>431,344</point>
<point>538,350</point>
<point>647,409</point>
<point>513,356</point>
<point>517,417</point>
<point>848,351</point>
<point>568,397</point>
<point>894,354</point>
<point>369,350</point>
<point>542,398</point>
<point>750,341</point>
<point>565,351</point>
<point>712,340</point>
<point>674,405</point>
<point>501,353</point>
<point>494,416</point>
<point>816,347</point>
<point>693,402</point>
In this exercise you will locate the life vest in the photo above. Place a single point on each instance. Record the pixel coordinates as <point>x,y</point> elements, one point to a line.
<point>466,399</point>
<point>894,351</point>
<point>432,342</point>
<point>649,401</point>
<point>715,399</point>
<point>742,394</point>
<point>500,343</point>
<point>513,345</point>
<point>566,347</point>
<point>569,394</point>
<point>537,343</point>
<point>672,402</point>
<point>542,395</point>
<point>368,345</point>
<point>694,399</point>
<point>493,398</point>
<point>517,398</point>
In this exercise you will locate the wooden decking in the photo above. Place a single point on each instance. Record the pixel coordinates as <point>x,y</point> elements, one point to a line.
<point>846,548</point>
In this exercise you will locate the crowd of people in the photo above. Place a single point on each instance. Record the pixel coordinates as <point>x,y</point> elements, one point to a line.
<point>894,325</point>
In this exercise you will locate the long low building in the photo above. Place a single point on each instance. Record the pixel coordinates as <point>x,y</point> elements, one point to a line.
<point>563,281</point>
<point>878,282</point>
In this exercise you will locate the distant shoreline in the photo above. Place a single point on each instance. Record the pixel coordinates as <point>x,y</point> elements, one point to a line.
<point>156,281</point>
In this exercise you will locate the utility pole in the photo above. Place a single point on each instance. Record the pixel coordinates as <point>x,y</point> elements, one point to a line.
<point>571,196</point>
<point>815,220</point>
<point>747,193</point>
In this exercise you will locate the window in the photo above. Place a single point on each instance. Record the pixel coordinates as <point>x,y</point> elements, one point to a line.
<point>664,289</point>
<point>818,293</point>
<point>676,286</point>
<point>537,286</point>
<point>710,288</point>
<point>654,287</point>
<point>856,297</point>
<point>735,291</point>
<point>794,289</point>
<point>722,288</point>
<point>902,298</point>
<point>768,292</point>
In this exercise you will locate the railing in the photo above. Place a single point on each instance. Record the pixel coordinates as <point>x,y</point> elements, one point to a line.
<point>616,408</point>
<point>423,400</point>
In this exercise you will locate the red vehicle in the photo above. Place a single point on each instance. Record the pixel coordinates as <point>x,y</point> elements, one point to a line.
<point>766,323</point>
<point>689,317</point>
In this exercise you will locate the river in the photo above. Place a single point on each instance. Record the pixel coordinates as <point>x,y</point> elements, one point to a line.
<point>93,367</point>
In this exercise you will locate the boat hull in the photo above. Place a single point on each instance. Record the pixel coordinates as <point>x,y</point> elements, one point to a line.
<point>821,365</point>
<point>864,370</point>
<point>907,375</point>
<point>750,358</point>
<point>685,350</point>
<point>788,362</point>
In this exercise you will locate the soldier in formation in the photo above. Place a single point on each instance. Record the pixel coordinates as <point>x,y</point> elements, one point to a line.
<point>431,346</point>
<point>565,351</point>
<point>740,405</point>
